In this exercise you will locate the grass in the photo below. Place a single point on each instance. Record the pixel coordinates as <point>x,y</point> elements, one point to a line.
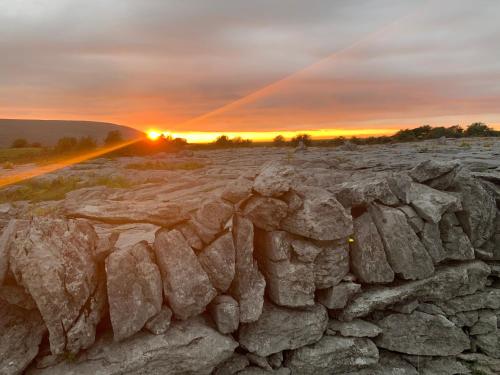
<point>162,165</point>
<point>20,155</point>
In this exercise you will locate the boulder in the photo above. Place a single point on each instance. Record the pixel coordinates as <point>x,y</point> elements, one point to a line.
<point>414,220</point>
<point>249,283</point>
<point>431,169</point>
<point>218,261</point>
<point>21,332</point>
<point>233,365</point>
<point>489,298</point>
<point>333,355</point>
<point>361,193</point>
<point>457,245</point>
<point>336,297</point>
<point>438,365</point>
<point>52,259</point>
<point>332,263</point>
<point>266,213</point>
<point>159,323</point>
<point>430,203</point>
<point>419,333</point>
<point>431,239</point>
<point>225,313</point>
<point>188,347</point>
<point>281,328</point>
<point>368,259</point>
<point>354,328</point>
<point>389,364</point>
<point>134,289</point>
<point>209,220</point>
<point>186,285</point>
<point>487,323</point>
<point>321,217</point>
<point>274,180</point>
<point>6,238</point>
<point>489,344</point>
<point>237,190</point>
<point>405,253</point>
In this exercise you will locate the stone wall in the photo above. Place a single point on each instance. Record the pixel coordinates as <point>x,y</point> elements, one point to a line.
<point>389,274</point>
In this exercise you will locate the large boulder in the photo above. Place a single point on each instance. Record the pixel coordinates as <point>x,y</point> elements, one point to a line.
<point>336,297</point>
<point>209,220</point>
<point>489,298</point>
<point>281,328</point>
<point>266,213</point>
<point>456,243</point>
<point>432,169</point>
<point>361,193</point>
<point>419,333</point>
<point>333,355</point>
<point>331,264</point>
<point>430,203</point>
<point>185,283</point>
<point>225,313</point>
<point>134,289</point>
<point>52,259</point>
<point>189,348</point>
<point>405,253</point>
<point>6,238</point>
<point>388,364</point>
<point>368,259</point>
<point>249,284</point>
<point>321,217</point>
<point>431,239</point>
<point>274,180</point>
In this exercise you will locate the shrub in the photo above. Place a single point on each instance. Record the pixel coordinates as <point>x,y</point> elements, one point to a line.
<point>20,143</point>
<point>65,144</point>
<point>114,137</point>
<point>305,138</point>
<point>279,141</point>
<point>479,129</point>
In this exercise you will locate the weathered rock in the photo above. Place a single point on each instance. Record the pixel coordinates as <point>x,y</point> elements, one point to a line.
<point>400,185</point>
<point>421,334</point>
<point>186,285</point>
<point>438,365</point>
<point>134,289</point>
<point>237,190</point>
<point>332,264</point>
<point>160,323</point>
<point>266,213</point>
<point>431,239</point>
<point>6,238</point>
<point>53,260</point>
<point>274,180</point>
<point>333,355</point>
<point>389,364</point>
<point>105,246</point>
<point>360,193</point>
<point>281,328</point>
<point>368,259</point>
<point>188,347</point>
<point>405,253</point>
<point>249,283</point>
<point>456,244</point>
<point>464,319</point>
<point>226,313</point>
<point>488,343</point>
<point>188,230</point>
<point>232,365</point>
<point>488,298</point>
<point>481,363</point>
<point>210,219</point>
<point>431,169</point>
<point>430,203</point>
<point>275,360</point>
<point>414,220</point>
<point>254,370</point>
<point>354,328</point>
<point>21,333</point>
<point>336,297</point>
<point>16,295</point>
<point>321,217</point>
<point>405,307</point>
<point>259,361</point>
<point>487,323</point>
<point>446,283</point>
<point>218,261</point>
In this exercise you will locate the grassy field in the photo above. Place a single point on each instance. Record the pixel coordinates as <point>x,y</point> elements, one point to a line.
<point>20,155</point>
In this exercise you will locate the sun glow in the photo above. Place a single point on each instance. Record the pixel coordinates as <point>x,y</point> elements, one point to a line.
<point>153,134</point>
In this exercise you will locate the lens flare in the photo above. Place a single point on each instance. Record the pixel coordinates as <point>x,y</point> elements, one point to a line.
<point>153,134</point>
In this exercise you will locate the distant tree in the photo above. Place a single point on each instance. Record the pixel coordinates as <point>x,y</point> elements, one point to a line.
<point>114,137</point>
<point>240,142</point>
<point>36,145</point>
<point>223,141</point>
<point>305,138</point>
<point>19,143</point>
<point>479,129</point>
<point>279,141</point>
<point>66,144</point>
<point>86,144</point>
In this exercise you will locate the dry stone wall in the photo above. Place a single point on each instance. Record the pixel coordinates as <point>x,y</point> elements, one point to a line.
<point>392,274</point>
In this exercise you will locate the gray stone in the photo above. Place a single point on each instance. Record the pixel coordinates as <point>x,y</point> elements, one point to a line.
<point>16,295</point>
<point>360,193</point>
<point>259,361</point>
<point>249,283</point>
<point>275,360</point>
<point>431,239</point>
<point>405,253</point>
<point>487,323</point>
<point>6,238</point>
<point>389,364</point>
<point>188,347</point>
<point>430,203</point>
<point>237,190</point>
<point>160,323</point>
<point>438,365</point>
<point>368,259</point>
<point>210,219</point>
<point>488,343</point>
<point>281,328</point>
<point>354,328</point>
<point>186,285</point>
<point>188,230</point>
<point>430,308</point>
<point>488,298</point>
<point>431,169</point>
<point>232,365</point>
<point>332,264</point>
<point>134,289</point>
<point>226,313</point>
<point>400,185</point>
<point>456,244</point>
<point>421,334</point>
<point>321,217</point>
<point>333,355</point>
<point>465,318</point>
<point>336,297</point>
<point>266,213</point>
<point>218,261</point>
<point>414,220</point>
<point>274,180</point>
<point>406,307</point>
<point>481,363</point>
<point>254,370</point>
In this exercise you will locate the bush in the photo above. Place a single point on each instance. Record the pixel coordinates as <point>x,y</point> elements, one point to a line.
<point>304,138</point>
<point>86,144</point>
<point>20,143</point>
<point>66,144</point>
<point>279,141</point>
<point>479,129</point>
<point>114,137</point>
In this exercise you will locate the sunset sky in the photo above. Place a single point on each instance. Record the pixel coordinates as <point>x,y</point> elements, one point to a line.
<point>333,67</point>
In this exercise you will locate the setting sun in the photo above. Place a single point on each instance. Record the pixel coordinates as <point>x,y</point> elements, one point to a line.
<point>153,134</point>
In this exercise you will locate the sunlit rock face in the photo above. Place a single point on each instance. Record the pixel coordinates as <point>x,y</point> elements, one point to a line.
<point>376,263</point>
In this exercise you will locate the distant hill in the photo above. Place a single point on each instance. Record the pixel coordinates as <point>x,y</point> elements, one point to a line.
<point>47,132</point>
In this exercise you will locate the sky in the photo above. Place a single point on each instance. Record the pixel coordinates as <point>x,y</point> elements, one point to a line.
<point>252,67</point>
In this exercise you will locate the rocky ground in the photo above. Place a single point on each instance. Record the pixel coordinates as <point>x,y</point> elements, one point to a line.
<point>349,260</point>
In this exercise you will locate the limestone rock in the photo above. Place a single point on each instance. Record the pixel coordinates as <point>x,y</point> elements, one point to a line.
<point>487,323</point>
<point>274,180</point>
<point>456,244</point>
<point>421,334</point>
<point>431,239</point>
<point>431,169</point>
<point>266,213</point>
<point>430,203</point>
<point>281,328</point>
<point>249,283</point>
<point>405,253</point>
<point>259,361</point>
<point>218,261</point>
<point>439,365</point>
<point>333,355</point>
<point>52,259</point>
<point>188,347</point>
<point>232,365</point>
<point>160,323</point>
<point>389,364</point>
<point>360,193</point>
<point>210,218</point>
<point>332,264</point>
<point>186,285</point>
<point>414,220</point>
<point>190,233</point>
<point>237,190</point>
<point>336,297</point>
<point>226,313</point>
<point>489,344</point>
<point>481,363</point>
<point>16,295</point>
<point>488,298</point>
<point>6,238</point>
<point>354,328</point>
<point>321,217</point>
<point>368,259</point>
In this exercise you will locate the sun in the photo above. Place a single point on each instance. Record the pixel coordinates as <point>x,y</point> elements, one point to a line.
<point>153,134</point>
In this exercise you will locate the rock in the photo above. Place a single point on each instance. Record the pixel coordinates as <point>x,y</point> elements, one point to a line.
<point>266,213</point>
<point>464,319</point>
<point>185,284</point>
<point>275,360</point>
<point>188,230</point>
<point>354,328</point>
<point>218,261</point>
<point>430,308</point>
<point>21,333</point>
<point>321,217</point>
<point>259,361</point>
<point>389,364</point>
<point>274,180</point>
<point>105,246</point>
<point>336,297</point>
<point>226,313</point>
<point>16,295</point>
<point>368,259</point>
<point>361,193</point>
<point>210,219</point>
<point>52,259</point>
<point>481,363</point>
<point>488,343</point>
<point>6,238</point>
<point>249,283</point>
<point>160,323</point>
<point>233,365</point>
<point>456,244</point>
<point>332,264</point>
<point>188,347</point>
<point>134,289</point>
<point>405,253</point>
<point>421,334</point>
<point>281,328</point>
<point>406,307</point>
<point>439,365</point>
<point>414,220</point>
<point>430,203</point>
<point>488,298</point>
<point>487,323</point>
<point>400,185</point>
<point>446,283</point>
<point>254,370</point>
<point>431,239</point>
<point>333,355</point>
<point>237,190</point>
<point>431,169</point>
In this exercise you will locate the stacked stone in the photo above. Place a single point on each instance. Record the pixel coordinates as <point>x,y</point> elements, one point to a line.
<point>393,274</point>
